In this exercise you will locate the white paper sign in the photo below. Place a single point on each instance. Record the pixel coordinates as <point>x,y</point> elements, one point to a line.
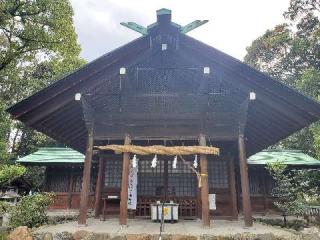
<point>132,188</point>
<point>212,202</point>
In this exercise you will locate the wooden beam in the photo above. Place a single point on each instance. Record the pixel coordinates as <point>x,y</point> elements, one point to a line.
<point>99,187</point>
<point>84,195</point>
<point>244,182</point>
<point>80,79</point>
<point>214,132</point>
<point>254,78</point>
<point>204,185</point>
<point>66,113</point>
<point>232,188</point>
<point>124,185</point>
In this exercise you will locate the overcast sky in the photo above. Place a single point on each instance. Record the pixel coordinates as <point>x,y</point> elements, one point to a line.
<point>232,26</point>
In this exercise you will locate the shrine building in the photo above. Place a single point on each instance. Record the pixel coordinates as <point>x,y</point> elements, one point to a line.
<point>180,117</point>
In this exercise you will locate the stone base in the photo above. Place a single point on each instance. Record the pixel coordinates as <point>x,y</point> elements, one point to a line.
<point>84,235</point>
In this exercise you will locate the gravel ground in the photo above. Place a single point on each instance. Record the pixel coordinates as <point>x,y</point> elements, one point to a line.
<point>218,227</point>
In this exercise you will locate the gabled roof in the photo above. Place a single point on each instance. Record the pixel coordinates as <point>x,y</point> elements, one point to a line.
<point>277,112</point>
<point>288,157</point>
<point>52,155</point>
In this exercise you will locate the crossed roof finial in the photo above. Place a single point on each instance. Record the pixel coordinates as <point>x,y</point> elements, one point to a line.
<point>163,13</point>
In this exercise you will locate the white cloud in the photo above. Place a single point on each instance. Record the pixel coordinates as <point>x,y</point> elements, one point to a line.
<point>233,24</point>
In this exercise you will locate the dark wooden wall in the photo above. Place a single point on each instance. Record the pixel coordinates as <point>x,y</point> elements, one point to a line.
<point>66,183</point>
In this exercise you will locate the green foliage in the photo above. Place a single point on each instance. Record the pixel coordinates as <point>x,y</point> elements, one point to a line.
<point>290,53</point>
<point>5,207</point>
<point>288,191</point>
<point>38,45</point>
<point>299,8</point>
<point>35,175</point>
<point>8,173</point>
<point>309,183</point>
<point>31,210</point>
<point>36,26</point>
<point>4,126</point>
<point>293,224</point>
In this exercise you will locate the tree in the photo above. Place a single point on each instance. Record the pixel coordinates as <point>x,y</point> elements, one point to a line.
<point>299,8</point>
<point>290,53</point>
<point>28,28</point>
<point>288,191</point>
<point>38,45</point>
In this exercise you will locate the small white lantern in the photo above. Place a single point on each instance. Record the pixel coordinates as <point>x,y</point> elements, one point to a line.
<point>252,96</point>
<point>122,71</point>
<point>77,96</point>
<point>206,70</point>
<point>164,46</point>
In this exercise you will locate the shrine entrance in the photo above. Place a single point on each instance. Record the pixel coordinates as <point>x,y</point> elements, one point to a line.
<point>161,183</point>
<point>166,183</point>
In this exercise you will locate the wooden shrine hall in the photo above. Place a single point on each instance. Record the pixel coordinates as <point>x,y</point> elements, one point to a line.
<point>167,89</point>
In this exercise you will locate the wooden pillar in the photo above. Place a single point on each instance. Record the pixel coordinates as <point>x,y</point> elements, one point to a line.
<point>70,189</point>
<point>204,185</point>
<point>124,185</point>
<point>166,180</point>
<point>199,211</point>
<point>244,183</point>
<point>85,190</point>
<point>45,180</point>
<point>99,187</point>
<point>264,190</point>
<point>232,187</point>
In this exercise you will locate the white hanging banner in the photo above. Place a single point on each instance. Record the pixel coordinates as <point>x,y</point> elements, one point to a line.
<point>212,202</point>
<point>132,187</point>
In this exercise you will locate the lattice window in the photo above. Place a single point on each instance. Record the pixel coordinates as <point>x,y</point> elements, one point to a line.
<point>150,180</point>
<point>182,181</point>
<point>113,173</point>
<point>218,173</point>
<point>258,177</point>
<point>57,183</point>
<point>270,184</point>
<point>255,182</point>
<point>77,182</point>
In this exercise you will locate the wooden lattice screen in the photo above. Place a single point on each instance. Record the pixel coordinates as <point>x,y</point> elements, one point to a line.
<point>150,180</point>
<point>218,173</point>
<point>58,180</point>
<point>260,181</point>
<point>113,173</point>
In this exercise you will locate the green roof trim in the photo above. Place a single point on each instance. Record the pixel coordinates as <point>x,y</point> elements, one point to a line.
<point>288,157</point>
<point>67,155</point>
<point>53,155</point>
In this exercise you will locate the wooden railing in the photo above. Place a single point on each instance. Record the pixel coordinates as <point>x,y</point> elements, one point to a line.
<point>187,205</point>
